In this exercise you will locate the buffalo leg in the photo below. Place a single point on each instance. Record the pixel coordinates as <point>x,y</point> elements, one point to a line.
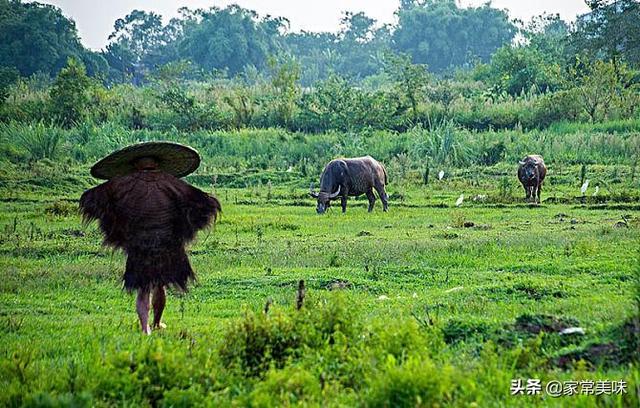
<point>527,192</point>
<point>372,199</point>
<point>142,307</point>
<point>383,197</point>
<point>343,198</point>
<point>159,299</point>
<point>538,192</point>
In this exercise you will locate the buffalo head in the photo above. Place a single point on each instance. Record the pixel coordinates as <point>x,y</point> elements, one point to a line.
<point>529,169</point>
<point>324,198</point>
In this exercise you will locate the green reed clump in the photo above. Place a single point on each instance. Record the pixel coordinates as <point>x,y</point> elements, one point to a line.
<point>38,140</point>
<point>257,342</point>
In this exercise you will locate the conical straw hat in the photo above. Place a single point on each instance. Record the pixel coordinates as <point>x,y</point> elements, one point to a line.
<point>173,158</point>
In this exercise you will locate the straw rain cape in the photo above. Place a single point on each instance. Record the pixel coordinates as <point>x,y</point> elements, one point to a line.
<point>151,215</point>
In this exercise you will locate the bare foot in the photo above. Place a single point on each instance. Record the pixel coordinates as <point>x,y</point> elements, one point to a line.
<point>159,326</point>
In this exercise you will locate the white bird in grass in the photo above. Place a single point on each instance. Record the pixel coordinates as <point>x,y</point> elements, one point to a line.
<point>460,200</point>
<point>595,193</point>
<point>440,174</point>
<point>457,288</point>
<point>584,187</point>
<point>572,330</point>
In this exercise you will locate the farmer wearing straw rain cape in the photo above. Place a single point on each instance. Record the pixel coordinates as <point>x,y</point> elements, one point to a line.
<point>147,211</point>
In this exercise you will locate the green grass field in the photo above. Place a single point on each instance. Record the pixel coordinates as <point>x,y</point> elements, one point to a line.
<point>425,305</point>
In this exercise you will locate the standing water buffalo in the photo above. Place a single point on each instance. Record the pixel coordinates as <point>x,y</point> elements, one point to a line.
<point>351,177</point>
<point>531,173</point>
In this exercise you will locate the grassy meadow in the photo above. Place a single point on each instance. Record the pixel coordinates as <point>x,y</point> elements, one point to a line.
<point>431,304</point>
<point>427,305</point>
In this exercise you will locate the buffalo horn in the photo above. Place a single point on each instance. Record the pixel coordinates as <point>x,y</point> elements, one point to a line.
<point>311,192</point>
<point>334,195</point>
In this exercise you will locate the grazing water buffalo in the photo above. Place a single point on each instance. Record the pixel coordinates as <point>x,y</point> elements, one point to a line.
<point>531,173</point>
<point>351,177</point>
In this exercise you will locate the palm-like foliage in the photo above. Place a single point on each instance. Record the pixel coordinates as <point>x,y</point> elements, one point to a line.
<point>442,144</point>
<point>39,140</point>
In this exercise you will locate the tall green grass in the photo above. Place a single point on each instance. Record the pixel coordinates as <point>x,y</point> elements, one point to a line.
<point>619,126</point>
<point>38,140</point>
<point>443,145</point>
<point>335,105</point>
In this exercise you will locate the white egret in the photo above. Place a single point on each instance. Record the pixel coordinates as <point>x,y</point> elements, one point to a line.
<point>584,187</point>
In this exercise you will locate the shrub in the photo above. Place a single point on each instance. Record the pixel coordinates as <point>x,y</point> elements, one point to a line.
<point>508,114</point>
<point>258,341</point>
<point>556,107</point>
<point>38,140</point>
<point>493,154</point>
<point>517,69</point>
<point>69,94</point>
<point>288,387</point>
<point>179,397</point>
<point>61,208</point>
<point>336,105</point>
<point>8,76</point>
<point>418,382</point>
<point>43,399</point>
<point>28,101</point>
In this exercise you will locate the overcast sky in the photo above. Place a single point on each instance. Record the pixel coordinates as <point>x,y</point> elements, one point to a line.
<point>94,18</point>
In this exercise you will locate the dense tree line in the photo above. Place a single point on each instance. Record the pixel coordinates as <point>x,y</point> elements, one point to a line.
<point>436,33</point>
<point>443,36</point>
<point>229,68</point>
<point>38,38</point>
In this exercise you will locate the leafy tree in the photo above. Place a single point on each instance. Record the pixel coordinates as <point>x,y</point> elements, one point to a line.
<point>410,80</point>
<point>8,76</point>
<point>121,62</point>
<point>140,42</point>
<point>177,71</point>
<point>317,54</point>
<point>360,45</point>
<point>610,32</point>
<point>331,106</point>
<point>37,37</point>
<point>95,64</point>
<point>442,35</point>
<point>597,84</point>
<point>179,101</point>
<point>230,39</point>
<point>69,94</point>
<point>444,92</point>
<point>284,79</point>
<point>535,65</point>
<point>170,84</point>
<point>336,105</point>
<point>242,99</point>
<point>548,34</point>
<point>520,69</point>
